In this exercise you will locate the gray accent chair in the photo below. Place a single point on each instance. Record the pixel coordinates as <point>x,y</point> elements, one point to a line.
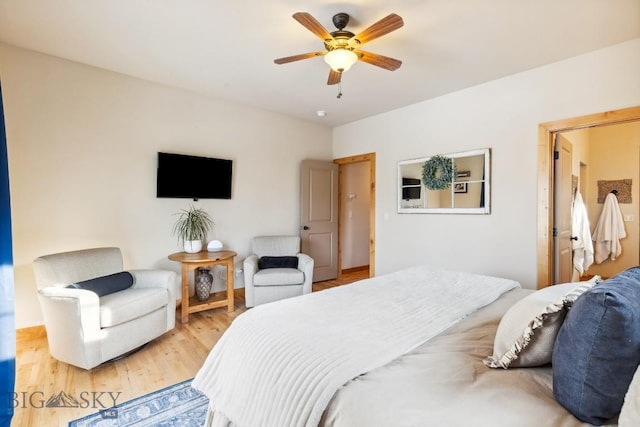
<point>86,330</point>
<point>273,284</point>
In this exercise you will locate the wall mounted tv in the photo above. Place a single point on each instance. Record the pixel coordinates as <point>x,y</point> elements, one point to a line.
<point>193,177</point>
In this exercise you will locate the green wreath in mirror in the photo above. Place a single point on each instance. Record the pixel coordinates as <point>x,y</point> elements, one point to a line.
<point>438,173</point>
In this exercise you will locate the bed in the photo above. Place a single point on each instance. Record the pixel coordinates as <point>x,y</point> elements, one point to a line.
<point>410,348</point>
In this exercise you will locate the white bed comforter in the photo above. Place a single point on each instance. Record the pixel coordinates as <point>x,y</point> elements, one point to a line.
<point>443,383</point>
<point>279,364</point>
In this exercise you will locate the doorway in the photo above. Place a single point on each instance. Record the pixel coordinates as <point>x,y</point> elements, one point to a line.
<point>546,137</point>
<point>346,197</point>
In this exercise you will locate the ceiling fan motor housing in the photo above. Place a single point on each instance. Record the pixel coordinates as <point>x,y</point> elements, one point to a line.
<point>340,40</point>
<point>341,36</point>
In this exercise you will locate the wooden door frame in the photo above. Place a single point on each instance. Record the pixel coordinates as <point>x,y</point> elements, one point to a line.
<point>546,135</point>
<point>341,162</point>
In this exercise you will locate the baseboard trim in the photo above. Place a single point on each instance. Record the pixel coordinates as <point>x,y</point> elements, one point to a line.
<point>355,269</point>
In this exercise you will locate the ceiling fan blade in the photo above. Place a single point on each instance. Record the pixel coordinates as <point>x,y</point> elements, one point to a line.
<point>334,77</point>
<point>311,24</point>
<point>381,61</point>
<point>302,56</point>
<point>384,26</point>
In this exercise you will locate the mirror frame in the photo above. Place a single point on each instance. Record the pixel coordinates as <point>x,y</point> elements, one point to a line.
<point>485,210</point>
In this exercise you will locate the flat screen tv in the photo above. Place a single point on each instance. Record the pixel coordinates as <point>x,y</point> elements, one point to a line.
<point>193,177</point>
<point>409,193</point>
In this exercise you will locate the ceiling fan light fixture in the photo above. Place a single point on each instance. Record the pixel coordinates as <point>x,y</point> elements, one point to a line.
<point>340,60</point>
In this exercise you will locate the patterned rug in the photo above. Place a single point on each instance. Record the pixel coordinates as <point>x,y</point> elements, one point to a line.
<point>176,406</point>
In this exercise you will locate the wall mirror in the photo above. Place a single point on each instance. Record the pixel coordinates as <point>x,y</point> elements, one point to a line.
<point>468,193</point>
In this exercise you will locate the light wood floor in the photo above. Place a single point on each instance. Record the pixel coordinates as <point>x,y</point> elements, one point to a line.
<point>174,357</point>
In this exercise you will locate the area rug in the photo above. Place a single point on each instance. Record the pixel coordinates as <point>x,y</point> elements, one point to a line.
<point>178,405</point>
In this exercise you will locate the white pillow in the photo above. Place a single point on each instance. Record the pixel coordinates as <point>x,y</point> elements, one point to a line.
<point>527,331</point>
<point>630,414</point>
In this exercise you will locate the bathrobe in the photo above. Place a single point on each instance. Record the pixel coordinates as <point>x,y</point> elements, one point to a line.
<point>583,246</point>
<point>609,231</point>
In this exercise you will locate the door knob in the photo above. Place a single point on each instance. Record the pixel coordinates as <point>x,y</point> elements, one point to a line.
<point>305,227</point>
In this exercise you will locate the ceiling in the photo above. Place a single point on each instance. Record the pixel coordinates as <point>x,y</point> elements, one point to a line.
<point>225,49</point>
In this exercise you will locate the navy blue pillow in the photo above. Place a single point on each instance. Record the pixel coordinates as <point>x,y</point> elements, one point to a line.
<point>597,349</point>
<point>278,262</point>
<point>106,285</point>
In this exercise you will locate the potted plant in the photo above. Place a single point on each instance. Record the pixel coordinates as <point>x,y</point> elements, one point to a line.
<point>192,227</point>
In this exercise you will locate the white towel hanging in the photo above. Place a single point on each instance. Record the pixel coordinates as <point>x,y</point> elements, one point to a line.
<point>582,245</point>
<point>609,231</point>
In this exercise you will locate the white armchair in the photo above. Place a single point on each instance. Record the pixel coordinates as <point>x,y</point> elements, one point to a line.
<point>86,330</point>
<point>271,284</point>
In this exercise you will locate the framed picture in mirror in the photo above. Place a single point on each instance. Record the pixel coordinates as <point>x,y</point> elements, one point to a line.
<point>460,187</point>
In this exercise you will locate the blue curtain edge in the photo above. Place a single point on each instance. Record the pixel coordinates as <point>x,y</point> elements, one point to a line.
<point>7,366</point>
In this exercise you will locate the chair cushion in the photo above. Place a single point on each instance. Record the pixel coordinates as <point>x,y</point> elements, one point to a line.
<point>74,266</point>
<point>278,276</point>
<point>278,262</point>
<point>275,245</point>
<point>130,304</point>
<point>597,349</point>
<point>105,285</point>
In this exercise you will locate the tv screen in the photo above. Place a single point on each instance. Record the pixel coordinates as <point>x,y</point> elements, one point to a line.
<point>193,177</point>
<point>409,193</point>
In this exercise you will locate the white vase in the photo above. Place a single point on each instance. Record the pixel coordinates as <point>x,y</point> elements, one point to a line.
<point>192,246</point>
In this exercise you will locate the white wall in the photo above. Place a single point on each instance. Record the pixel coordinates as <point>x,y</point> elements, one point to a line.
<point>503,115</point>
<point>82,146</point>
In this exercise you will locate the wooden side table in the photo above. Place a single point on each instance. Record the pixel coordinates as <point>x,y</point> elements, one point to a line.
<point>203,259</point>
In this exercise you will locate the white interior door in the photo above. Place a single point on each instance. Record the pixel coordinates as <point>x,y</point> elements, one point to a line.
<point>319,216</point>
<point>563,197</point>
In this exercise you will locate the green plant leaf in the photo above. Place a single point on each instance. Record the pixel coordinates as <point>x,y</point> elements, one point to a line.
<point>192,224</point>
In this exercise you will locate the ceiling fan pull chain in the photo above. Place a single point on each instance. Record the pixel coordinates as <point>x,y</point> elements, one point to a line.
<point>339,90</point>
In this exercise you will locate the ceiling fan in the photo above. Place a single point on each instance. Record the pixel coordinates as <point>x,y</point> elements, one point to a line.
<point>342,46</point>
